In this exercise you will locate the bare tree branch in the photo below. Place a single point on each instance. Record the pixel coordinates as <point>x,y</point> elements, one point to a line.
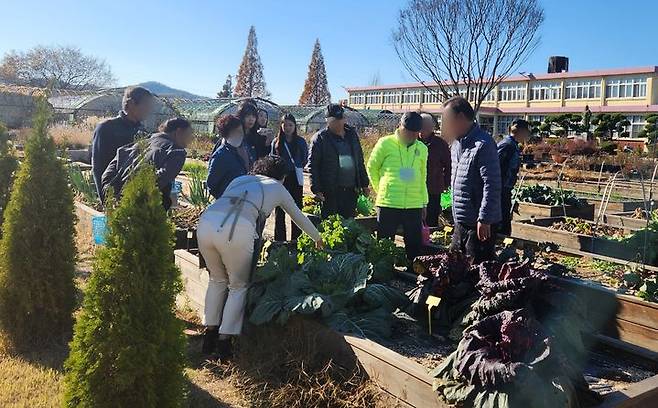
<point>466,45</point>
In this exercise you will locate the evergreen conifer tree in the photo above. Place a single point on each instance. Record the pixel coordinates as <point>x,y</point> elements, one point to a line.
<point>227,88</point>
<point>316,89</point>
<point>8,166</point>
<point>128,347</point>
<point>37,249</point>
<point>250,82</point>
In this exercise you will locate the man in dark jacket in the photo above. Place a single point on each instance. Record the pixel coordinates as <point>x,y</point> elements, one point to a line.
<point>438,168</point>
<point>336,164</point>
<point>509,156</point>
<point>475,181</point>
<point>113,133</point>
<point>164,150</point>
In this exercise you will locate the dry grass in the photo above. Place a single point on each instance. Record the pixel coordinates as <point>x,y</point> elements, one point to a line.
<point>77,135</point>
<point>284,367</point>
<point>35,379</point>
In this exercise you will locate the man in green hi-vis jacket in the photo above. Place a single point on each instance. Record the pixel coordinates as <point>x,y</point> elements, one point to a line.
<point>397,169</point>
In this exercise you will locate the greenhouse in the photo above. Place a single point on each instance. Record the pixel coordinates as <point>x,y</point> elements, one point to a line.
<point>310,119</point>
<point>72,107</point>
<point>17,105</point>
<point>204,113</point>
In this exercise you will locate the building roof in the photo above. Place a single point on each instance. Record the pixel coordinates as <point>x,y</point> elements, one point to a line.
<point>530,76</point>
<point>541,110</point>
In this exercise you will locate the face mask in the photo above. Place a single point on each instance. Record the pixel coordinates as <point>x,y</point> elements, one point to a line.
<point>235,141</point>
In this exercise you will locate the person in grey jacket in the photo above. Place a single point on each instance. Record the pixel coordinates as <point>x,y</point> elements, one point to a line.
<point>113,133</point>
<point>476,181</point>
<point>164,150</point>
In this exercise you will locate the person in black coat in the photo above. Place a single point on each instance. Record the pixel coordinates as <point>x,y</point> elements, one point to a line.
<point>164,150</point>
<point>113,133</point>
<point>232,158</point>
<point>293,150</point>
<point>337,169</point>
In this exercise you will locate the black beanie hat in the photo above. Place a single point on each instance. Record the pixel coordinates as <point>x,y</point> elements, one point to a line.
<point>412,121</point>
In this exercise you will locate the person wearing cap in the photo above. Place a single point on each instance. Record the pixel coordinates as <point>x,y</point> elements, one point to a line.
<point>113,133</point>
<point>438,167</point>
<point>509,156</point>
<point>397,168</point>
<point>475,181</point>
<point>336,165</point>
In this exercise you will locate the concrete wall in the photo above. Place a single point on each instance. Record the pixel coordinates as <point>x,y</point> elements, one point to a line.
<point>16,109</point>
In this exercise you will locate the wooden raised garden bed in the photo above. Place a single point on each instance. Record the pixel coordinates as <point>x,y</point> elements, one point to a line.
<point>407,382</point>
<point>619,316</point>
<point>525,211</point>
<point>624,220</point>
<point>538,230</point>
<point>616,206</point>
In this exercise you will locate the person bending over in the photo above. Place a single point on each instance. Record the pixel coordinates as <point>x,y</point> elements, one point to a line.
<point>229,236</point>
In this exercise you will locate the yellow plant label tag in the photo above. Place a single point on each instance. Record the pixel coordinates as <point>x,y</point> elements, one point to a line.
<point>508,241</point>
<point>433,301</point>
<point>447,228</point>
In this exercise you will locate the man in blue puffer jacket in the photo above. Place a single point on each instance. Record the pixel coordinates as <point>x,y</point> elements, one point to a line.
<point>476,181</point>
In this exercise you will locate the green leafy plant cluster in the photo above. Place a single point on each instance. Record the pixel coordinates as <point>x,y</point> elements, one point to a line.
<point>339,291</point>
<point>644,243</point>
<point>128,348</point>
<point>83,186</point>
<point>348,236</point>
<point>311,206</point>
<point>199,195</point>
<point>8,167</point>
<point>37,249</point>
<point>196,168</point>
<point>543,194</point>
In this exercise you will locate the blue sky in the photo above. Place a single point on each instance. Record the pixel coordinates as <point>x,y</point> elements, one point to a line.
<point>194,44</point>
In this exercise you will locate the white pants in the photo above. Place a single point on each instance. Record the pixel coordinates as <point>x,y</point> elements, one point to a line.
<point>229,268</point>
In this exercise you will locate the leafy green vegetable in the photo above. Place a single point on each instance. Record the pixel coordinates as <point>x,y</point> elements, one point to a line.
<point>542,194</point>
<point>335,290</point>
<point>342,236</point>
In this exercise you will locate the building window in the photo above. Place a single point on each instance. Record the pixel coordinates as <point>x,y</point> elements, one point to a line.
<point>491,96</point>
<point>374,98</point>
<point>512,92</point>
<point>432,96</point>
<point>636,126</point>
<point>411,97</point>
<point>546,91</point>
<point>536,118</point>
<point>587,89</point>
<point>357,99</point>
<point>626,88</point>
<point>504,122</point>
<point>392,97</point>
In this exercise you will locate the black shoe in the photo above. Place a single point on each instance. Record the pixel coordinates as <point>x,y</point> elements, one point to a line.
<point>225,349</point>
<point>210,339</point>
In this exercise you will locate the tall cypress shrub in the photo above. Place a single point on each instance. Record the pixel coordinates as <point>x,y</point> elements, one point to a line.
<point>8,166</point>
<point>128,347</point>
<point>37,249</point>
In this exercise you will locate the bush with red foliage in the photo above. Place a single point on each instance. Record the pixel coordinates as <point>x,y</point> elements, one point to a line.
<point>580,147</point>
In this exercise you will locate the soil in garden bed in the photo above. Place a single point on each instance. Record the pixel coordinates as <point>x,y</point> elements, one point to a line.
<point>578,226</point>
